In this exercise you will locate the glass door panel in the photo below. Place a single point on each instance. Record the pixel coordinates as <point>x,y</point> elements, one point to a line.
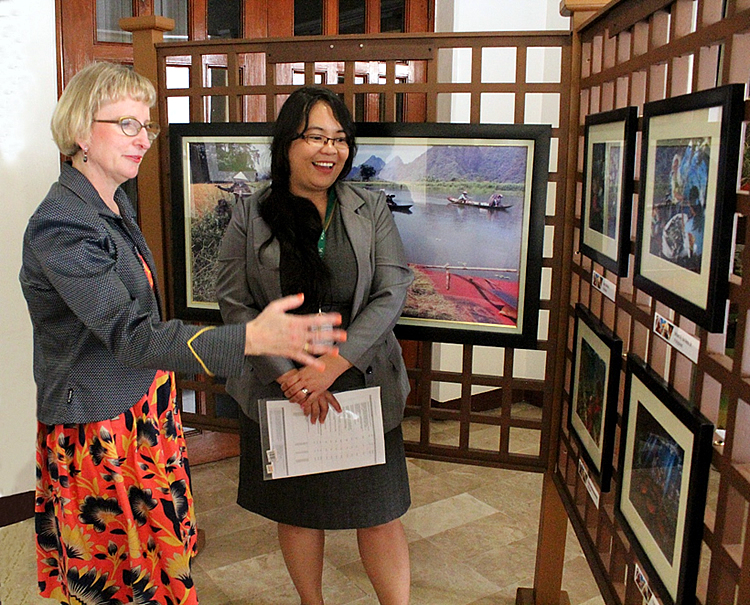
<point>351,16</point>
<point>308,17</point>
<point>108,15</point>
<point>392,15</point>
<point>177,10</point>
<point>224,18</point>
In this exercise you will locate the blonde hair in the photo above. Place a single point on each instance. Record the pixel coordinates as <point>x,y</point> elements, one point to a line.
<point>95,85</point>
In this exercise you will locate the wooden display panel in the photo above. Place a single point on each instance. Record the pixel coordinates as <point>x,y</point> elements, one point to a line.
<point>503,416</point>
<point>635,53</point>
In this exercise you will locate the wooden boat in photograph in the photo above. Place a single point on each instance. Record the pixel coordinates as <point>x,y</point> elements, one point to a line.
<point>493,203</point>
<point>394,206</point>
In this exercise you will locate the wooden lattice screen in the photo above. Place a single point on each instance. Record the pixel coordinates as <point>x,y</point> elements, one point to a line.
<point>409,77</point>
<point>630,53</point>
<point>507,407</point>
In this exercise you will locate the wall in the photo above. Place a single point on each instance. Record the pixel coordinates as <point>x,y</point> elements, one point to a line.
<point>634,54</point>
<point>28,165</point>
<point>489,15</point>
<point>498,15</point>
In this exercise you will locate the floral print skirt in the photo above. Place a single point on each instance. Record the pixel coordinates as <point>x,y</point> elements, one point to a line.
<point>114,510</point>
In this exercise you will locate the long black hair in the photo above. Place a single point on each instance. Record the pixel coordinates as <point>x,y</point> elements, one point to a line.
<point>293,220</point>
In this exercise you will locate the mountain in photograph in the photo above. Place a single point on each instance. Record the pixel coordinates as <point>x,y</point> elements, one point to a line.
<point>373,161</point>
<point>453,163</point>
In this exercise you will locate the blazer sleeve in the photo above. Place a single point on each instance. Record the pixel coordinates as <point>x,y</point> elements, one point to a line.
<point>391,278</point>
<point>239,302</point>
<point>72,258</point>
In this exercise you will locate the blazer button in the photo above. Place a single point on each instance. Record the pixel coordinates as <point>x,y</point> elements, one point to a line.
<point>368,370</point>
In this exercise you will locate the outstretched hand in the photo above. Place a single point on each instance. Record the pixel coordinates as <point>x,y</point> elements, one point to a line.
<point>298,337</point>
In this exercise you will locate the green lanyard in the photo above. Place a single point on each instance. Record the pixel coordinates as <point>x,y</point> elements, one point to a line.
<point>327,223</point>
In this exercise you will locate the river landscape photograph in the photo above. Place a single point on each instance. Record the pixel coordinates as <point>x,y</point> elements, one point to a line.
<point>468,201</point>
<point>462,208</point>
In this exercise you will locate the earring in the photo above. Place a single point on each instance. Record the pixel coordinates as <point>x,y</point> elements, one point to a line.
<point>85,154</point>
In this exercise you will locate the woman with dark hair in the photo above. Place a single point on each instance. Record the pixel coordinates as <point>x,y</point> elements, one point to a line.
<point>338,244</point>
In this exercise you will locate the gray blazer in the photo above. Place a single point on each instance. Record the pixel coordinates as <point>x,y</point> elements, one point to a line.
<point>98,333</point>
<point>245,286</point>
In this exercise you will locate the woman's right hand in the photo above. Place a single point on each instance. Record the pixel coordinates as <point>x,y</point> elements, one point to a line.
<point>276,332</point>
<point>317,405</point>
<point>313,403</point>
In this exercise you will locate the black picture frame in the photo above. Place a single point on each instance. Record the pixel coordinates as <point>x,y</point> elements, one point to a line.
<point>608,166</point>
<point>465,246</point>
<point>665,456</point>
<point>594,391</point>
<point>473,157</point>
<point>204,161</point>
<point>689,174</point>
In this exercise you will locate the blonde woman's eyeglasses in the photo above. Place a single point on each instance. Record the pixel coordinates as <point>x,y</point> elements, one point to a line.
<point>131,127</point>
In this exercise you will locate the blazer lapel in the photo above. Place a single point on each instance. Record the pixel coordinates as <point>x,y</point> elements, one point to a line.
<point>360,234</point>
<point>268,269</point>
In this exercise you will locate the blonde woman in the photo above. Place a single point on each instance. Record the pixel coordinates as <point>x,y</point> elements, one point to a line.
<point>114,508</point>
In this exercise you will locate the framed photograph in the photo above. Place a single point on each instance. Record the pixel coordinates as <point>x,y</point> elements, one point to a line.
<point>468,201</point>
<point>608,164</point>
<point>689,176</point>
<point>594,390</point>
<point>665,454</point>
<point>213,166</point>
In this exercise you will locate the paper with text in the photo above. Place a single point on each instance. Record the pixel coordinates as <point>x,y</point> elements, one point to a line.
<point>293,446</point>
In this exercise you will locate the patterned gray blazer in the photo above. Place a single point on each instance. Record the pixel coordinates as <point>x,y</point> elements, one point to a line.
<point>98,333</point>
<point>245,286</point>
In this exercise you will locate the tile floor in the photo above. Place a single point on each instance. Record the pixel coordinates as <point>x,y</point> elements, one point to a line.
<point>472,533</point>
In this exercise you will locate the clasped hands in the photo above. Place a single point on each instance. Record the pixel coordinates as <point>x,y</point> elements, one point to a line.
<point>309,386</point>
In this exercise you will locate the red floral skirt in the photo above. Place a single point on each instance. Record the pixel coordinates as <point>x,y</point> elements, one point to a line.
<point>114,510</point>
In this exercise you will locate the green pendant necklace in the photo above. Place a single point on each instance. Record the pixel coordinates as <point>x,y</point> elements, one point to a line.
<point>330,205</point>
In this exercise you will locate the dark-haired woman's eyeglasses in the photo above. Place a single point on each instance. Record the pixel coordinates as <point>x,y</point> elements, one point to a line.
<point>318,141</point>
<point>131,127</point>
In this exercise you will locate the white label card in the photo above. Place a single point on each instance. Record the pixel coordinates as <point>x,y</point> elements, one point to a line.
<point>604,286</point>
<point>591,488</point>
<point>677,337</point>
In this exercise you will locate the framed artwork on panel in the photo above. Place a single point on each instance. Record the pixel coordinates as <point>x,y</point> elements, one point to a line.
<point>665,455</point>
<point>595,379</point>
<point>468,200</point>
<point>213,166</point>
<point>608,162</point>
<point>689,173</point>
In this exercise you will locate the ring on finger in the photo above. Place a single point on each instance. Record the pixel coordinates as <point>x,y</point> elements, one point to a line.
<point>306,347</point>
<point>305,391</point>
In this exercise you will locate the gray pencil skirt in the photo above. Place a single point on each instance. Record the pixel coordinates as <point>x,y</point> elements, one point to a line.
<point>348,499</point>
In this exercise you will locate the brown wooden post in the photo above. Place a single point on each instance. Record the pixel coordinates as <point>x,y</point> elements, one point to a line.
<point>330,17</point>
<point>550,551</point>
<point>553,519</point>
<point>148,31</point>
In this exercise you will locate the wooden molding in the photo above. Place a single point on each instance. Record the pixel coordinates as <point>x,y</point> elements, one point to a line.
<point>133,24</point>
<point>568,7</point>
<point>16,508</point>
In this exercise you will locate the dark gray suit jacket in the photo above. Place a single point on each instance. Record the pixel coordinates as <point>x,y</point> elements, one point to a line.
<point>98,334</point>
<point>245,286</point>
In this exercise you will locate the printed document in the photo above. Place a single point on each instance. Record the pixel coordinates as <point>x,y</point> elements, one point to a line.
<point>293,446</point>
